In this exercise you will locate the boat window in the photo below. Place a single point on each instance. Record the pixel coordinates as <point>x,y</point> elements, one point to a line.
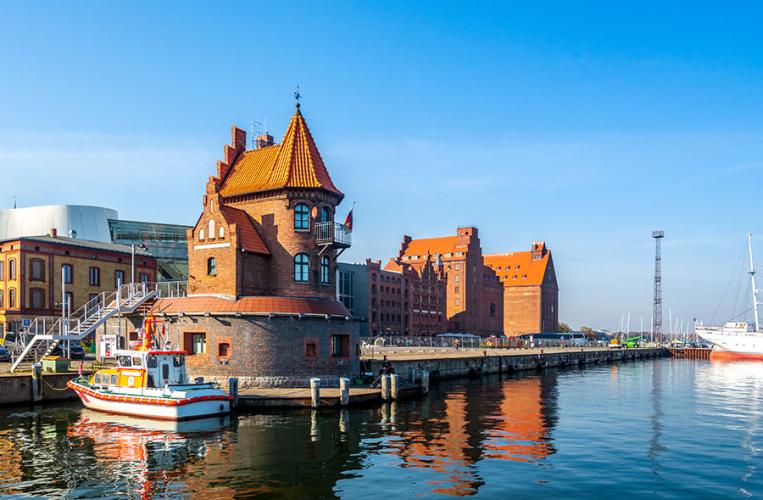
<point>136,361</point>
<point>98,378</point>
<point>124,360</point>
<point>165,372</point>
<point>151,362</point>
<point>113,380</point>
<point>178,361</point>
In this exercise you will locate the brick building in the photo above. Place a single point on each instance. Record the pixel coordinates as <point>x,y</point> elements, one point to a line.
<point>31,270</point>
<point>262,258</point>
<point>473,292</point>
<point>531,293</point>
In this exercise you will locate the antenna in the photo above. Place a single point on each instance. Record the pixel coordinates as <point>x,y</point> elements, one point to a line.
<point>754,286</point>
<point>256,132</point>
<point>657,306</point>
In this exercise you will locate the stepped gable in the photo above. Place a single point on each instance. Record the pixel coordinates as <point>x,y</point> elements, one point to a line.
<point>295,163</point>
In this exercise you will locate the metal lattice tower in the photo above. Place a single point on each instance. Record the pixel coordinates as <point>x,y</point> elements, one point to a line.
<point>657,311</point>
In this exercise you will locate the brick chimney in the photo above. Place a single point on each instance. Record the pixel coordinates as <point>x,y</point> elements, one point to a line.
<point>264,140</point>
<point>406,241</point>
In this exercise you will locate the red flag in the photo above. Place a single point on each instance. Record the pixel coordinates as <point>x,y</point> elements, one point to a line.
<point>348,220</point>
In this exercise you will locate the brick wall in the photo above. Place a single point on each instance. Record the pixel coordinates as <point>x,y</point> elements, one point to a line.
<point>262,351</point>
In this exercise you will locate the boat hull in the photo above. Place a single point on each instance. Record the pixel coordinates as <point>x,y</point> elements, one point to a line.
<point>733,345</point>
<point>202,406</point>
<point>721,355</point>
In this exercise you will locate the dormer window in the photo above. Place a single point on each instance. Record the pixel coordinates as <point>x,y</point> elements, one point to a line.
<point>301,217</point>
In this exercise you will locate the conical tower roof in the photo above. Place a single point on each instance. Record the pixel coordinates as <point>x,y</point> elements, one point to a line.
<point>295,163</point>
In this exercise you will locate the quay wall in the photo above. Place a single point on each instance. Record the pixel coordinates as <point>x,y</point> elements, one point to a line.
<point>487,363</point>
<point>17,389</point>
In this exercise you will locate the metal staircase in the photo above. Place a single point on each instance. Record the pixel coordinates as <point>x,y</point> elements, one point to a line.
<point>44,334</point>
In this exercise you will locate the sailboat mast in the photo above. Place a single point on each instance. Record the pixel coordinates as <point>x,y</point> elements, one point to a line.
<point>754,287</point>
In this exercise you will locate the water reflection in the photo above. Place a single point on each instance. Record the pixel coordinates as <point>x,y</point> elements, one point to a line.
<point>647,425</point>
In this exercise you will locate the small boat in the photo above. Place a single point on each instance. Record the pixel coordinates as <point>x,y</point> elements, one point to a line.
<point>150,383</point>
<point>737,339</point>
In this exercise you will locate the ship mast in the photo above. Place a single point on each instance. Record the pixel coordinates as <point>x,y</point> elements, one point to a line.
<point>754,287</point>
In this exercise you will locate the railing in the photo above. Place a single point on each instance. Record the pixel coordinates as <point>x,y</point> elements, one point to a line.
<point>44,333</point>
<point>333,233</point>
<point>170,289</point>
<point>371,345</point>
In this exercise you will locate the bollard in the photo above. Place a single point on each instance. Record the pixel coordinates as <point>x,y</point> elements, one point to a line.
<point>315,392</point>
<point>36,382</point>
<point>344,391</point>
<point>233,391</point>
<point>394,383</point>
<point>424,381</point>
<point>385,387</point>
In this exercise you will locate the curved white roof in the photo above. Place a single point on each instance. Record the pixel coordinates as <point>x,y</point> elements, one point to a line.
<point>89,222</point>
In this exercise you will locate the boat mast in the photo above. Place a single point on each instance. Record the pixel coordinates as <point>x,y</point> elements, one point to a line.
<point>754,287</point>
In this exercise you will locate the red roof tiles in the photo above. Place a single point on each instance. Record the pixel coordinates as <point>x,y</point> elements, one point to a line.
<point>249,239</point>
<point>244,305</point>
<point>295,163</point>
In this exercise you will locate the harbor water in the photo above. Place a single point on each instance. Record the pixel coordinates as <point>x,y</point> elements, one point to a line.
<point>670,428</point>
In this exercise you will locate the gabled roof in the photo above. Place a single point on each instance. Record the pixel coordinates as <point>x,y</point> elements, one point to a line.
<point>519,268</point>
<point>434,246</point>
<point>248,237</point>
<point>295,163</point>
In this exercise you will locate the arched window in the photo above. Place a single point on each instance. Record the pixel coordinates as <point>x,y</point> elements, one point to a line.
<point>12,298</point>
<point>212,266</point>
<point>301,267</point>
<point>221,232</point>
<point>201,235</point>
<point>325,269</point>
<point>301,217</point>
<point>325,214</point>
<point>211,228</point>
<point>36,270</point>
<point>12,269</point>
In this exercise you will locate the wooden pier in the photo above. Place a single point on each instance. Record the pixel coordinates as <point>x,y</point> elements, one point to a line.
<point>690,352</point>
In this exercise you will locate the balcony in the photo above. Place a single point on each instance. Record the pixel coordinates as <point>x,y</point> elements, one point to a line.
<point>332,234</point>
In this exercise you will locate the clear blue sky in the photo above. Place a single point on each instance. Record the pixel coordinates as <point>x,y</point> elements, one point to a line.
<point>585,124</point>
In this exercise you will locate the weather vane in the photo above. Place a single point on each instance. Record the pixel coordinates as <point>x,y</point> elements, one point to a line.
<point>297,95</point>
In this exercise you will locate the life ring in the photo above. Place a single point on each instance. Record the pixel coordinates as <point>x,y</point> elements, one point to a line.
<point>131,381</point>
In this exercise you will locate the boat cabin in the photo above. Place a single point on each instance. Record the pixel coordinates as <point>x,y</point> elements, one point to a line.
<point>144,369</point>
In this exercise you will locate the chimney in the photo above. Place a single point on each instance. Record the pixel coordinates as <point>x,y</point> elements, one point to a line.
<point>264,140</point>
<point>53,232</point>
<point>238,139</point>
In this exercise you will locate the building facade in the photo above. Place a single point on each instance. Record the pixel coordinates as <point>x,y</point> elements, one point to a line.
<point>262,255</point>
<point>474,294</point>
<point>530,293</point>
<point>32,270</point>
<point>166,242</point>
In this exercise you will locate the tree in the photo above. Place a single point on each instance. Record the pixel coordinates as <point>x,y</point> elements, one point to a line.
<point>564,328</point>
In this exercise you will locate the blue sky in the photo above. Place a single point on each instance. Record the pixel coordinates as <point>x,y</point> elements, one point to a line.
<point>585,124</point>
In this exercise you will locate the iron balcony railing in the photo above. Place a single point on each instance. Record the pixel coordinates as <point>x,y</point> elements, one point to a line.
<point>333,233</point>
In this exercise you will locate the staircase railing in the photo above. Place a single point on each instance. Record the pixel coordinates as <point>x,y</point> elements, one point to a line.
<point>44,334</point>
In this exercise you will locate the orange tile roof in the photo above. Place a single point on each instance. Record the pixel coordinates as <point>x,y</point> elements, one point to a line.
<point>262,305</point>
<point>518,268</point>
<point>295,163</point>
<point>433,246</point>
<point>249,239</point>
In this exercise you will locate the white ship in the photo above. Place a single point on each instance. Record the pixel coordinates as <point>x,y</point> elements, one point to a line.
<point>737,339</point>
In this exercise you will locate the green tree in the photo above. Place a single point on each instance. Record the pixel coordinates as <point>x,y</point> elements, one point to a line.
<point>564,328</point>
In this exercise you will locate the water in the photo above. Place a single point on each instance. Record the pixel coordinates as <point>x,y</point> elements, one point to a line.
<point>668,428</point>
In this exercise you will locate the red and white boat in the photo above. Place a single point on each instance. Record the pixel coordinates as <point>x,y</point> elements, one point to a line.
<point>150,383</point>
<point>737,339</point>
